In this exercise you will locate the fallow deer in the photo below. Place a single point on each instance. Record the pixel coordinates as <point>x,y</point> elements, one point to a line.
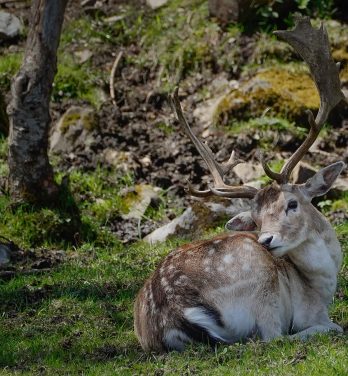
<point>242,285</point>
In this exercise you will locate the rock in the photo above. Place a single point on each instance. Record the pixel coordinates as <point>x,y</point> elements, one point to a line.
<point>5,254</point>
<point>248,172</point>
<point>154,4</point>
<point>83,56</point>
<point>341,185</point>
<point>73,129</point>
<point>139,199</point>
<point>224,10</point>
<point>302,172</point>
<point>218,88</point>
<point>234,10</point>
<point>280,92</point>
<point>10,26</point>
<point>205,112</point>
<point>197,218</point>
<point>123,160</point>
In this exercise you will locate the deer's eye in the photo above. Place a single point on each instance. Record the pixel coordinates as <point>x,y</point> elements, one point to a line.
<point>292,204</point>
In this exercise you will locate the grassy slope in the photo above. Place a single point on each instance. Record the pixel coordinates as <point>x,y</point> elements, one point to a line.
<point>77,319</point>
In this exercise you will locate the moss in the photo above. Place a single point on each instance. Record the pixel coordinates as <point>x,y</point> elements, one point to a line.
<point>3,156</point>
<point>86,118</point>
<point>167,129</point>
<point>344,75</point>
<point>278,91</point>
<point>9,65</point>
<point>35,227</point>
<point>341,54</point>
<point>269,49</point>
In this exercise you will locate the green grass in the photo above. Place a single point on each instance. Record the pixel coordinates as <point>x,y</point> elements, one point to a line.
<point>9,65</point>
<point>78,319</point>
<point>76,81</point>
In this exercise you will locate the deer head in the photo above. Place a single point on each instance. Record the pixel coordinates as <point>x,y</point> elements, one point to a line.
<point>282,212</point>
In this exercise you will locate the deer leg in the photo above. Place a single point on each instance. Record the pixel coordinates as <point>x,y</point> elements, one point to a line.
<point>269,329</point>
<point>268,321</point>
<point>305,334</point>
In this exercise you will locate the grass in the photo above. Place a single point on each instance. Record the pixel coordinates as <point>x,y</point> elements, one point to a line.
<point>78,319</point>
<point>9,65</point>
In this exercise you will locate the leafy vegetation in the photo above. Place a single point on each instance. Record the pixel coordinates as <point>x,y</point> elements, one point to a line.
<point>280,12</point>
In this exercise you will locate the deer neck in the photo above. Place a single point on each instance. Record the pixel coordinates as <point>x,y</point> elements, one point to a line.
<point>318,259</point>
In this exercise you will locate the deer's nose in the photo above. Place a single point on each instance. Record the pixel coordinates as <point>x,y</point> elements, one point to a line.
<point>266,240</point>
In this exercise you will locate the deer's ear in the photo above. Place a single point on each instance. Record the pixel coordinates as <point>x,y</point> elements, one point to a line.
<point>241,222</point>
<point>322,181</point>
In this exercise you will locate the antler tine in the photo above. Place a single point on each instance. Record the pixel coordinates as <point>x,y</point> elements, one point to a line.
<point>313,133</point>
<point>216,169</point>
<point>268,171</point>
<point>314,48</point>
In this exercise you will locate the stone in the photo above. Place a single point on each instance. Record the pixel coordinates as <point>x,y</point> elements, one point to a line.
<point>197,218</point>
<point>138,199</point>
<point>248,172</point>
<point>302,172</point>
<point>73,129</point>
<point>276,91</point>
<point>124,161</point>
<point>205,111</point>
<point>234,10</point>
<point>154,4</point>
<point>341,185</point>
<point>5,253</point>
<point>83,56</point>
<point>224,10</point>
<point>10,26</point>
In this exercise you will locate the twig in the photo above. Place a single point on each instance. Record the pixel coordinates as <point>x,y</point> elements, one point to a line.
<point>112,76</point>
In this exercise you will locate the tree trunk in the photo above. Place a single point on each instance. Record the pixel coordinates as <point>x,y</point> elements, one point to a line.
<point>31,175</point>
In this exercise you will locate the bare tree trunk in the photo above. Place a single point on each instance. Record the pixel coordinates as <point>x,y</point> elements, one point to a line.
<point>31,175</point>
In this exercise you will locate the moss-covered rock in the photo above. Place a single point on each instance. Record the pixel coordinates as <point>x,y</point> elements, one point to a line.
<point>137,200</point>
<point>280,91</point>
<point>73,128</point>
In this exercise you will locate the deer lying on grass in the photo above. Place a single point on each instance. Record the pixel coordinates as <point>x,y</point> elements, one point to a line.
<point>239,286</point>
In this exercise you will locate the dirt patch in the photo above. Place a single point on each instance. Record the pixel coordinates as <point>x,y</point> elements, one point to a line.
<point>29,261</point>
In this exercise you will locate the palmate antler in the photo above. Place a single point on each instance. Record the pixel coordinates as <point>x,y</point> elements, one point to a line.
<point>313,46</point>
